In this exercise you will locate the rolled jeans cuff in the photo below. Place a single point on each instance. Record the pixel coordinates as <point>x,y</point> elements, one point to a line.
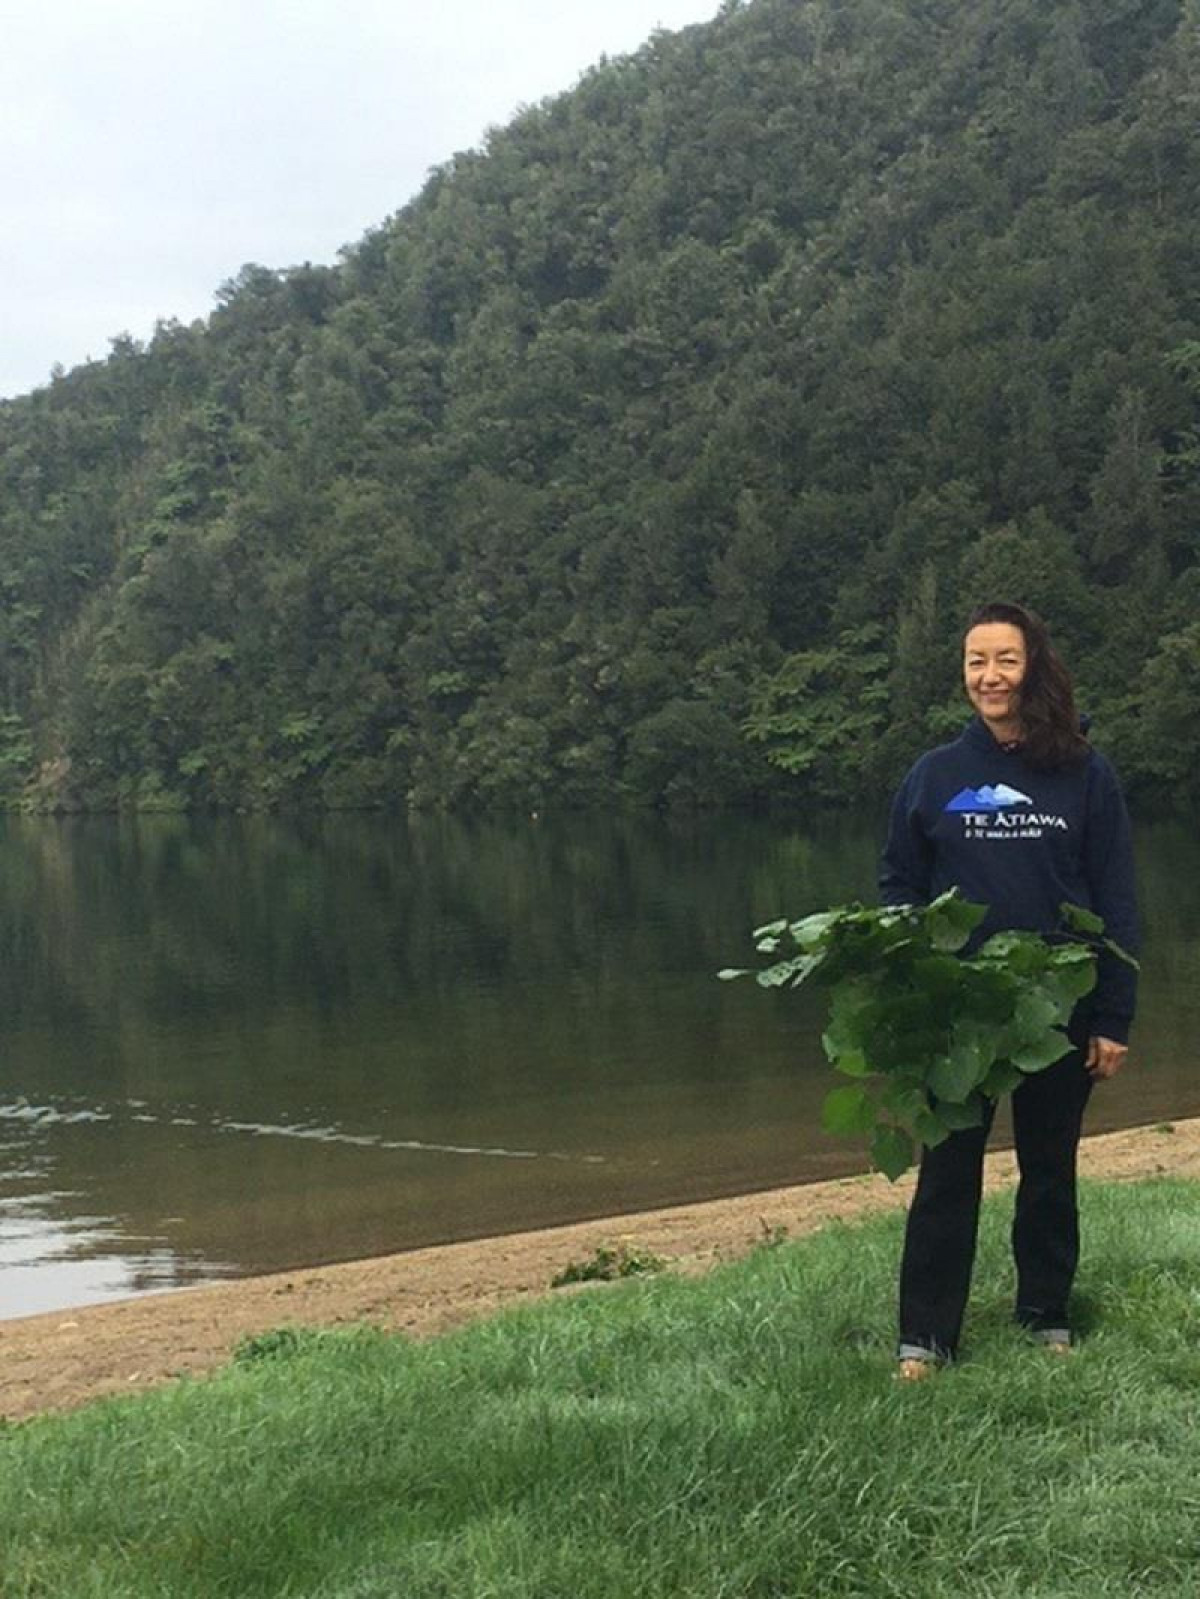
<point>907,1351</point>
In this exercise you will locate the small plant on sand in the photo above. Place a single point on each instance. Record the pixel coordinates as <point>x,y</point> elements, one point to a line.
<point>608,1263</point>
<point>771,1234</point>
<point>927,1033</point>
<point>278,1343</point>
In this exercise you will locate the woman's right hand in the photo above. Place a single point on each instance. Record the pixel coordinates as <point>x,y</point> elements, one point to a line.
<point>1105,1057</point>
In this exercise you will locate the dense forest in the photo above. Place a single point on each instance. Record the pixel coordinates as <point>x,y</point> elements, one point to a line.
<point>656,449</point>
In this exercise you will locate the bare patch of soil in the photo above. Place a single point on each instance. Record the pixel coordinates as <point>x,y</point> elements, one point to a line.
<point>60,1360</point>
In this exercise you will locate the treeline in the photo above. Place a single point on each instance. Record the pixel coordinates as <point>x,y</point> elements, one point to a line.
<point>657,448</point>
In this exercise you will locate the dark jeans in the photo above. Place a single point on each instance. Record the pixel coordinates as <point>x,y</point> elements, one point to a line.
<point>939,1243</point>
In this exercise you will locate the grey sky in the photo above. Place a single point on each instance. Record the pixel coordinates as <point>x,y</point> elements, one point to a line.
<point>149,148</point>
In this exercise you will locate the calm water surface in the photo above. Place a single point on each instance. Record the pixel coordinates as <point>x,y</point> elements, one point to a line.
<point>240,1045</point>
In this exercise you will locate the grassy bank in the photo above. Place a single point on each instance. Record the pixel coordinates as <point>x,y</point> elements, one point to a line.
<point>736,1437</point>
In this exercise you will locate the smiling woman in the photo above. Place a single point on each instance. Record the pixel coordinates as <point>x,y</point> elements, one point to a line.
<point>994,669</point>
<point>1017,682</point>
<point>1021,815</point>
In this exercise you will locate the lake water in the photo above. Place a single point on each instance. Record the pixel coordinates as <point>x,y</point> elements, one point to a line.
<point>238,1045</point>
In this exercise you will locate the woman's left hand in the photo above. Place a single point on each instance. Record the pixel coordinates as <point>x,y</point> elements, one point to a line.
<point>1105,1057</point>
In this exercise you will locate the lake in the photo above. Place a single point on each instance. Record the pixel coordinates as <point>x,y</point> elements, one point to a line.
<point>236,1045</point>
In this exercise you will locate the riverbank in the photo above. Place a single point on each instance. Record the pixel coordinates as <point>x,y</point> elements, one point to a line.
<point>734,1433</point>
<point>64,1359</point>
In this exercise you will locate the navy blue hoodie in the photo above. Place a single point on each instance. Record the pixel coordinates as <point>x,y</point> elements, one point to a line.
<point>976,816</point>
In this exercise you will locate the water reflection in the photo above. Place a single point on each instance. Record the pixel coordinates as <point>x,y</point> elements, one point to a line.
<point>244,1044</point>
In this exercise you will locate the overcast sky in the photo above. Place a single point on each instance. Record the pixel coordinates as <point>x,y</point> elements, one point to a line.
<point>149,148</point>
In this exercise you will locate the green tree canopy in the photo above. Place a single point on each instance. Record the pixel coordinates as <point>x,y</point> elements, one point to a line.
<point>589,471</point>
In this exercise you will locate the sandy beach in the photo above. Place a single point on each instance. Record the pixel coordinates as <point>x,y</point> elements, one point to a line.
<point>65,1358</point>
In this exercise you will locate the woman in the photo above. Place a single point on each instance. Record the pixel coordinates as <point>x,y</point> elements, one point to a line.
<point>1020,814</point>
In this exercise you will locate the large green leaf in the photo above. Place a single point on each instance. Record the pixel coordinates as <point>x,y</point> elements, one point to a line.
<point>1023,954</point>
<point>906,1098</point>
<point>851,1021</point>
<point>1035,1057</point>
<point>990,992</point>
<point>1035,1013</point>
<point>958,1073</point>
<point>804,966</point>
<point>913,1011</point>
<point>951,920</point>
<point>953,1077</point>
<point>891,1151</point>
<point>847,1111</point>
<point>1072,974</point>
<point>813,930</point>
<point>975,1040</point>
<point>930,1129</point>
<point>792,971</point>
<point>1081,920</point>
<point>896,1051</point>
<point>958,1116</point>
<point>846,1058</point>
<point>939,976</point>
<point>1001,1079</point>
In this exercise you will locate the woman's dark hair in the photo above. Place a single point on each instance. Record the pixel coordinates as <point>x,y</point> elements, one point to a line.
<point>1049,721</point>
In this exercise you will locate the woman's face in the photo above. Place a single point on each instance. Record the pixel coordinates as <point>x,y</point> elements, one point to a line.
<point>994,662</point>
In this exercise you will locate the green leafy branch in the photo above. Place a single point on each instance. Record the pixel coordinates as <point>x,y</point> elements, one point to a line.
<point>926,1033</point>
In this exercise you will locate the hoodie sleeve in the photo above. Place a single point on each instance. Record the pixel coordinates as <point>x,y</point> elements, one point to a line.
<point>1108,862</point>
<point>906,866</point>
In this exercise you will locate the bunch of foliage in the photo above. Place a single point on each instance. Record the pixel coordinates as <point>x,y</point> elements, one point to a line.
<point>927,1033</point>
<point>609,1263</point>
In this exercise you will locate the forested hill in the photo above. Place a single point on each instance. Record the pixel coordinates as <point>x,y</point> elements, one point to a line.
<point>656,449</point>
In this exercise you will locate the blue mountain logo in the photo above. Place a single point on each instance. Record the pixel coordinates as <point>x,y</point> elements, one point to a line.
<point>988,798</point>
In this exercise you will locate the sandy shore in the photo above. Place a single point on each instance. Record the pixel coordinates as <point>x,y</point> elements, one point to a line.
<point>60,1360</point>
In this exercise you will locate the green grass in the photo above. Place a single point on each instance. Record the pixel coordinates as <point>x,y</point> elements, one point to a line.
<point>737,1437</point>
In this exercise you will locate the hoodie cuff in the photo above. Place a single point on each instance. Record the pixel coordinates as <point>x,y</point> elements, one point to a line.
<point>1103,1024</point>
